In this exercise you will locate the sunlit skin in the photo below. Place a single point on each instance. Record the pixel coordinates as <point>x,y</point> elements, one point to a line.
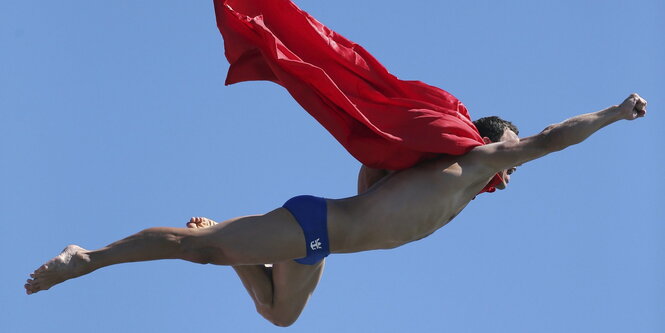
<point>392,209</point>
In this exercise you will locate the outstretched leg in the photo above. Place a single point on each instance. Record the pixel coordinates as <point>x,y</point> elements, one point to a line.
<point>280,292</point>
<point>273,237</point>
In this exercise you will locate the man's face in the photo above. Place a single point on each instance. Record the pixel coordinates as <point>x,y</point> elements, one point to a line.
<point>508,135</point>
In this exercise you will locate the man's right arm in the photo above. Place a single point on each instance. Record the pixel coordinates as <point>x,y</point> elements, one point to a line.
<point>504,155</point>
<point>367,177</point>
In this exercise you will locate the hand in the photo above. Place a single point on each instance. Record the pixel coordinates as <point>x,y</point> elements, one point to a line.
<point>633,107</point>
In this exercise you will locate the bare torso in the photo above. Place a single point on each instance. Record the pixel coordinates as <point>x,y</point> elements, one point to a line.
<point>406,206</point>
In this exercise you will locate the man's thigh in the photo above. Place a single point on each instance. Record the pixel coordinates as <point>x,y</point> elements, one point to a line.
<point>251,240</point>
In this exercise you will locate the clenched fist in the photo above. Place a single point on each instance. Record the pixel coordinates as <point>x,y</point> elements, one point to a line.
<point>633,107</point>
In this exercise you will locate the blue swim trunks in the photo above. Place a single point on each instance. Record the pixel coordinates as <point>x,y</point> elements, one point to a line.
<point>312,215</point>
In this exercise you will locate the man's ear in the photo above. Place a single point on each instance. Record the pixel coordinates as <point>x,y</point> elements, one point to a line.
<point>487,140</point>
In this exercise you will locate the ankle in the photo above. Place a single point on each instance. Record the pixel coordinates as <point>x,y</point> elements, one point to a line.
<point>82,261</point>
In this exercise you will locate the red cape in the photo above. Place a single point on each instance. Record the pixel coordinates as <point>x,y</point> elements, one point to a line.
<point>384,122</point>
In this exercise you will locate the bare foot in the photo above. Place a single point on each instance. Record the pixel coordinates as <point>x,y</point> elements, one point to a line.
<point>200,222</point>
<point>72,262</point>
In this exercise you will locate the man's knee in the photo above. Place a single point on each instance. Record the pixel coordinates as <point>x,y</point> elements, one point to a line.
<point>285,323</point>
<point>277,316</point>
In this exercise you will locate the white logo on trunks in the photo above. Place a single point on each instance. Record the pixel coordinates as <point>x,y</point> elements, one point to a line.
<point>315,244</point>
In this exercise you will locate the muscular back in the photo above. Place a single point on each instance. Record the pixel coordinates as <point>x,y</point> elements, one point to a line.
<point>406,206</point>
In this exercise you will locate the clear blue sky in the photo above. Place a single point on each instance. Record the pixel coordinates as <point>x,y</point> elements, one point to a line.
<point>114,118</point>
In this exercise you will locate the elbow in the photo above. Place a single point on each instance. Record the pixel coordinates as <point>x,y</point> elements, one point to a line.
<point>552,141</point>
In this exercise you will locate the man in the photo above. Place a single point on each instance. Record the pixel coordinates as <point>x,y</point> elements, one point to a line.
<point>423,131</point>
<point>403,207</point>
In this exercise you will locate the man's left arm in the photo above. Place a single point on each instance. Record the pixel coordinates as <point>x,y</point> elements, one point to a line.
<point>508,154</point>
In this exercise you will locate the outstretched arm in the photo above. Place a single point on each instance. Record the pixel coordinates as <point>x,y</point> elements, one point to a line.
<point>508,154</point>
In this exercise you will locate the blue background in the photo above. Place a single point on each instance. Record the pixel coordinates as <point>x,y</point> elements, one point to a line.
<point>114,118</point>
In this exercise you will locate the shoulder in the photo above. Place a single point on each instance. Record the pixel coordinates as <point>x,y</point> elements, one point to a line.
<point>368,177</point>
<point>507,154</point>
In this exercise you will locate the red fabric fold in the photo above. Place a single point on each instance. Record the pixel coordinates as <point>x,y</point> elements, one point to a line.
<point>384,122</point>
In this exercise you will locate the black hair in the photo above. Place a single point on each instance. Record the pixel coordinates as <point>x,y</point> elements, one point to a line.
<point>493,127</point>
